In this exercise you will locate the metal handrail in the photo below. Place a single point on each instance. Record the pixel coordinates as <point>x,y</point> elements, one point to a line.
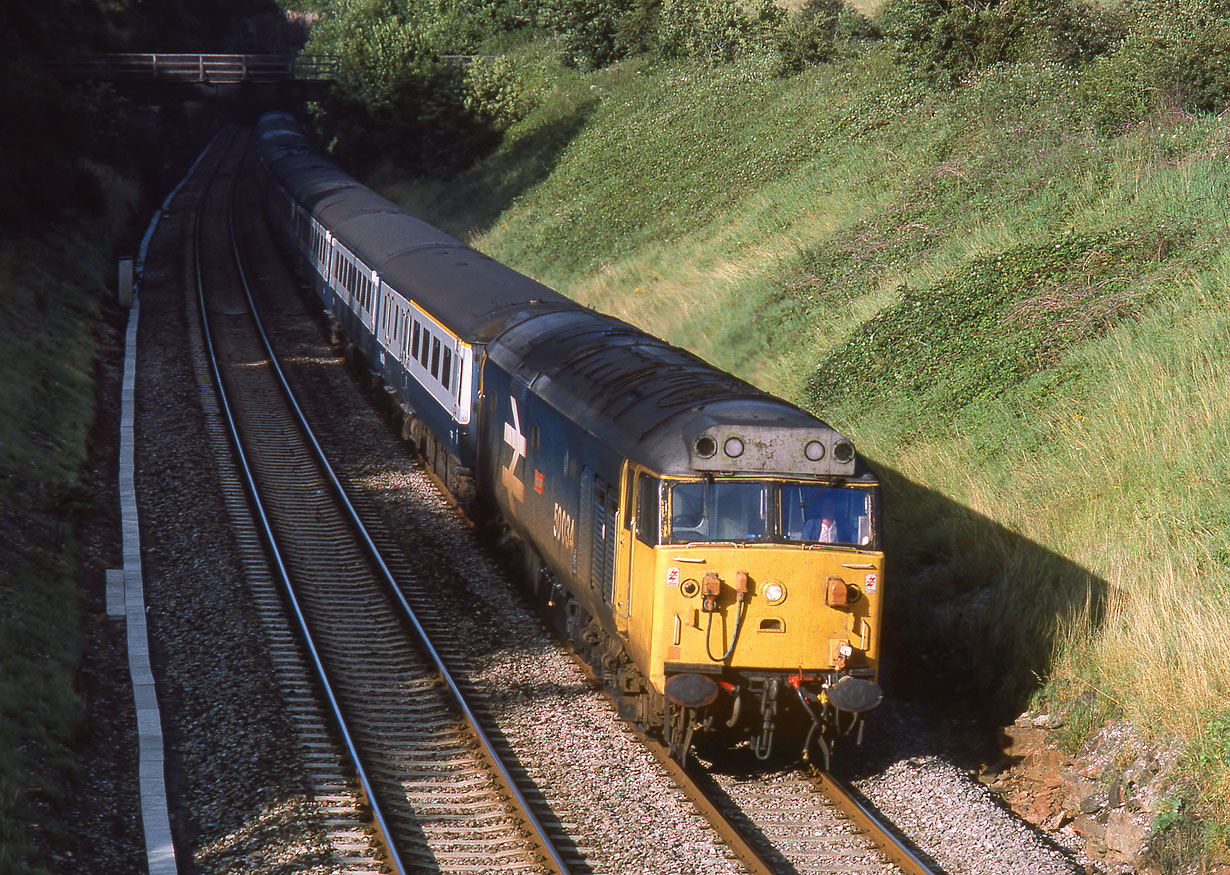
<point>185,67</point>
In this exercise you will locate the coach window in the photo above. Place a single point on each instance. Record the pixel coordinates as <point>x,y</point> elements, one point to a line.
<point>435,357</point>
<point>414,341</point>
<point>647,509</point>
<point>447,371</point>
<point>425,354</point>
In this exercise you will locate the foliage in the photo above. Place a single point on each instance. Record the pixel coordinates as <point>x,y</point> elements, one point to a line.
<point>945,40</point>
<point>1172,57</point>
<point>1125,86</point>
<point>463,27</point>
<point>1005,317</point>
<point>596,33</point>
<point>809,36</point>
<point>1083,30</point>
<point>1206,61</point>
<point>495,93</point>
<point>717,30</point>
<point>394,99</point>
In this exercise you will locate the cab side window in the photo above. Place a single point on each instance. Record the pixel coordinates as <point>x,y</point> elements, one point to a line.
<point>647,510</point>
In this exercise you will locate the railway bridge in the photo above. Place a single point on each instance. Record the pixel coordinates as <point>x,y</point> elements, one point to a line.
<point>158,77</point>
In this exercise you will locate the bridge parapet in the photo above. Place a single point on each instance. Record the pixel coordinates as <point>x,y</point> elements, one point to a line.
<point>209,69</point>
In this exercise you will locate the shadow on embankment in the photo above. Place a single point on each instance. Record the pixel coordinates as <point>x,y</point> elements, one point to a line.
<point>973,610</point>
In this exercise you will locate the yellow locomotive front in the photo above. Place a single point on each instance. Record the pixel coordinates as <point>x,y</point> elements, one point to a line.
<point>766,597</point>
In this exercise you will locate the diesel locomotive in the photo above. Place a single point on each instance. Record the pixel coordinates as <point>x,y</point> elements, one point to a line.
<point>712,551</point>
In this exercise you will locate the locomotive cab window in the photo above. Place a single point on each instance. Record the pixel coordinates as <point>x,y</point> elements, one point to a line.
<point>711,510</point>
<point>749,510</point>
<point>826,514</point>
<point>647,513</point>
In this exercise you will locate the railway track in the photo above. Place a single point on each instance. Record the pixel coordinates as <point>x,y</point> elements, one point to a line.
<point>805,823</point>
<point>437,801</point>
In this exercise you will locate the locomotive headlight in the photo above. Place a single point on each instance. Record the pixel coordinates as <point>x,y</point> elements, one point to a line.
<point>733,447</point>
<point>774,592</point>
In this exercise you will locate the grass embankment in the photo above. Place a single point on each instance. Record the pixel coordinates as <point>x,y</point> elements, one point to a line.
<point>51,285</point>
<point>1021,319</point>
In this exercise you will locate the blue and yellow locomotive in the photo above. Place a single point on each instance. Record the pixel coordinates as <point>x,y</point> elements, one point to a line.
<point>715,552</point>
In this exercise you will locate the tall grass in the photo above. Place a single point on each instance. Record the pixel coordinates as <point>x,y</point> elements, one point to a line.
<point>1021,319</point>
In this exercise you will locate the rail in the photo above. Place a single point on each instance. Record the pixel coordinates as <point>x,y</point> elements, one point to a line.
<point>213,69</point>
<point>544,843</point>
<point>852,805</point>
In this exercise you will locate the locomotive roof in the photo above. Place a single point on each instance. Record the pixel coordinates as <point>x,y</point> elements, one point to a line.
<point>657,404</point>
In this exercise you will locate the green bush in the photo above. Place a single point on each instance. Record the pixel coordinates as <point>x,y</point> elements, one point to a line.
<point>463,27</point>
<point>394,99</point>
<point>1169,57</point>
<point>494,92</point>
<point>945,39</point>
<point>1082,31</point>
<point>596,33</point>
<point>933,38</point>
<point>809,36</point>
<point>1128,84</point>
<point>718,30</point>
<point>1204,66</point>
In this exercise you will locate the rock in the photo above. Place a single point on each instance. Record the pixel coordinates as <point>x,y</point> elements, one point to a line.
<point>1089,829</point>
<point>1125,837</point>
<point>1078,790</point>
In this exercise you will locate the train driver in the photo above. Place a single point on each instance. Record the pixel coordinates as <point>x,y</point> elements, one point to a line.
<point>820,519</point>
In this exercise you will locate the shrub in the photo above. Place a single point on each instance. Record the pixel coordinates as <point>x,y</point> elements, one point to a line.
<point>1204,67</point>
<point>596,33</point>
<point>1081,31</point>
<point>945,39</point>
<point>717,30</point>
<point>494,93</point>
<point>461,26</point>
<point>393,98</point>
<point>809,35</point>
<point>1126,85</point>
